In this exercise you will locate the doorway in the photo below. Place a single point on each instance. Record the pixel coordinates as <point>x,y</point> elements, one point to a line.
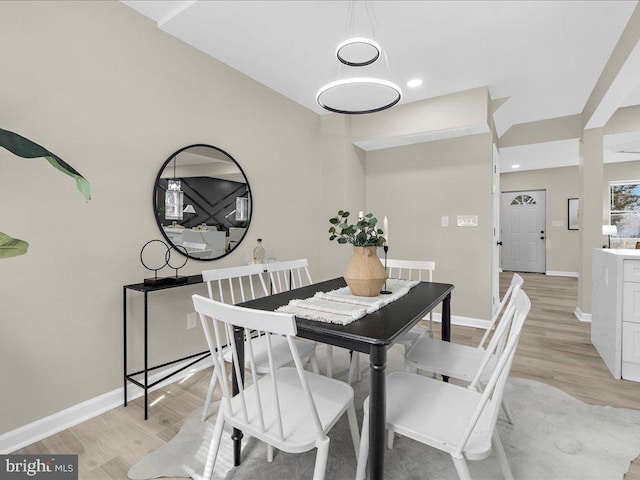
<point>523,228</point>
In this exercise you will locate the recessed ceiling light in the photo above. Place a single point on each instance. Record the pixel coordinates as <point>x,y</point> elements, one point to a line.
<point>516,165</point>
<point>416,82</point>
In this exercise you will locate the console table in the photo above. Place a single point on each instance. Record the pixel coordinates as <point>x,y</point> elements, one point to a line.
<point>128,377</point>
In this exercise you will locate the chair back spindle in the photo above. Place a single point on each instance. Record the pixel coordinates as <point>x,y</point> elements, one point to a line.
<point>410,269</point>
<point>289,275</point>
<point>234,281</point>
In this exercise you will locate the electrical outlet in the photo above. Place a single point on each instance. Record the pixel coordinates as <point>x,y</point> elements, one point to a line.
<point>191,320</point>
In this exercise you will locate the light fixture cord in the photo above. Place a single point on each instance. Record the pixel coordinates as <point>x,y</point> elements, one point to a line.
<point>375,29</point>
<point>348,29</point>
<point>375,32</point>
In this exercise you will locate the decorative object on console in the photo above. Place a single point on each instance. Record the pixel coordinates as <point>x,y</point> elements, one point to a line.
<point>609,230</point>
<point>177,278</point>
<point>25,148</point>
<point>364,274</point>
<point>362,94</point>
<point>154,250</point>
<point>258,252</point>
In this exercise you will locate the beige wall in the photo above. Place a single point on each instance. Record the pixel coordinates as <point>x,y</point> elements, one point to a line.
<point>103,88</point>
<point>414,186</point>
<point>560,184</point>
<point>457,110</point>
<point>617,172</point>
<point>343,187</point>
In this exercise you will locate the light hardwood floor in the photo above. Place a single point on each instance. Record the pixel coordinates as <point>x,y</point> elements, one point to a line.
<point>555,348</point>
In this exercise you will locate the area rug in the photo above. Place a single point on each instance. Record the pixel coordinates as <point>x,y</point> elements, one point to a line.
<point>555,436</point>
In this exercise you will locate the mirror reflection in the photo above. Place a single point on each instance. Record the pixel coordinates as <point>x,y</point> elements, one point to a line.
<point>202,201</point>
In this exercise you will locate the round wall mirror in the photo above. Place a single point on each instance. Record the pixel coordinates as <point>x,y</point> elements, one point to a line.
<point>202,202</point>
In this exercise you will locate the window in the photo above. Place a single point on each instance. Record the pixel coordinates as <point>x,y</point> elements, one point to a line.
<point>624,207</point>
<point>523,200</point>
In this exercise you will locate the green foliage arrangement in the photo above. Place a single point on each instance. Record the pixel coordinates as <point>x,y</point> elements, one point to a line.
<point>25,148</point>
<point>363,233</point>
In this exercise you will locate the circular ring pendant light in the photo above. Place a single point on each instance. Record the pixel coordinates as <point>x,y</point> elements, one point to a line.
<point>354,96</point>
<point>358,52</point>
<point>364,94</point>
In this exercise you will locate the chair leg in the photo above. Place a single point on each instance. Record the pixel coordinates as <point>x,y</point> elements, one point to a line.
<point>212,387</point>
<point>314,363</point>
<point>409,366</point>
<point>430,324</point>
<point>461,467</point>
<point>501,456</point>
<point>353,427</point>
<point>352,366</point>
<point>357,354</point>
<point>390,438</point>
<point>321,458</point>
<point>330,361</point>
<point>214,446</point>
<point>269,453</point>
<point>363,455</point>
<point>507,411</point>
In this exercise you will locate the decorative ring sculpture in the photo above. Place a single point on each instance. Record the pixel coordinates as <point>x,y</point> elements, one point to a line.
<point>167,262</point>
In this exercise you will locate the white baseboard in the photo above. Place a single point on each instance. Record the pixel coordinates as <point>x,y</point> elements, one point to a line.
<point>583,317</point>
<point>552,273</point>
<point>462,321</point>
<point>52,424</point>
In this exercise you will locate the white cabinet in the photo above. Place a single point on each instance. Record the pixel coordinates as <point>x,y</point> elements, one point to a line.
<point>615,307</point>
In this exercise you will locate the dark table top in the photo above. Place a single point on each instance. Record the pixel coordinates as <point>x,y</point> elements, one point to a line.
<point>382,327</point>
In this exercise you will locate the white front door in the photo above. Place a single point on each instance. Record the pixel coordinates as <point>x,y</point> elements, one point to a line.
<point>523,231</point>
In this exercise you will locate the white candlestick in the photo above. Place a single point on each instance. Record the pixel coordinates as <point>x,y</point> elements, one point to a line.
<point>386,229</point>
<point>360,216</point>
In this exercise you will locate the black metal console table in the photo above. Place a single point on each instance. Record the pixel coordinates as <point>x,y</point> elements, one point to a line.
<point>128,377</point>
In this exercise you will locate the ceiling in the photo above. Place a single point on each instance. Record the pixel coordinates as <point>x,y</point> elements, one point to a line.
<point>545,56</point>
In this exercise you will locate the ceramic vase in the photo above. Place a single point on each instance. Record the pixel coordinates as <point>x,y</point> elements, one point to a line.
<point>365,274</point>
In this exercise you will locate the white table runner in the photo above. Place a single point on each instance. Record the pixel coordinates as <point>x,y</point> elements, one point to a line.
<point>341,306</point>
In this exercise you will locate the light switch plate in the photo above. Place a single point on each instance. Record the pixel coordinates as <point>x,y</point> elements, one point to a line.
<point>444,221</point>
<point>467,220</point>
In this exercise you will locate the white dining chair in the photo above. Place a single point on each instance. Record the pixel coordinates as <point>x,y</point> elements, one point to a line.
<point>290,274</point>
<point>241,284</point>
<point>295,274</point>
<point>460,421</point>
<point>462,361</point>
<point>288,408</point>
<point>421,270</point>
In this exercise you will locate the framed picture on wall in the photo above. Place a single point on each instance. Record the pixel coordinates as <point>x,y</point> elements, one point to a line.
<point>573,214</point>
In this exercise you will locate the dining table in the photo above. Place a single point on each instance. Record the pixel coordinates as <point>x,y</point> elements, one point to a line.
<point>372,334</point>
